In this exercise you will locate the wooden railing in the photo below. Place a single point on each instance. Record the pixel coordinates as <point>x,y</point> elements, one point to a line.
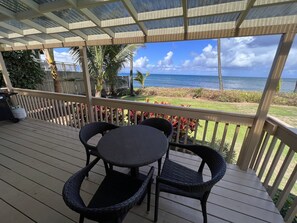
<point>58,108</point>
<point>225,131</point>
<point>275,162</point>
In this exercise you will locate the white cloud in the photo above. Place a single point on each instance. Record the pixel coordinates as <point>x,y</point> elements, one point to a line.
<point>240,53</point>
<point>167,60</point>
<point>186,63</point>
<point>251,56</point>
<point>141,62</point>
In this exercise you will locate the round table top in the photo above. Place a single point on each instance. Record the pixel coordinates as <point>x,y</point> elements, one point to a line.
<point>132,146</point>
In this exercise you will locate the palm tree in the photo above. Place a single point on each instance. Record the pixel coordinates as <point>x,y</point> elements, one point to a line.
<point>140,77</point>
<point>50,59</point>
<point>220,66</point>
<point>105,62</point>
<point>131,76</point>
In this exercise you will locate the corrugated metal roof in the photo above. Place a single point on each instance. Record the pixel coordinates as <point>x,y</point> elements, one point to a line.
<point>164,23</point>
<point>153,5</point>
<point>5,31</point>
<point>45,22</point>
<point>199,3</point>
<point>56,22</point>
<point>112,10</point>
<point>44,1</point>
<point>17,24</point>
<point>70,15</point>
<point>67,34</point>
<point>273,11</point>
<point>92,31</point>
<point>213,19</point>
<point>129,28</point>
<point>14,5</point>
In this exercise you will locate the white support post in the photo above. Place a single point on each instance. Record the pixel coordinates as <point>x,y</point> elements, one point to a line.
<point>267,96</point>
<point>87,82</point>
<point>5,74</point>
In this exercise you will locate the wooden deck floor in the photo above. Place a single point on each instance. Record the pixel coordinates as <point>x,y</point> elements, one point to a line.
<point>37,157</point>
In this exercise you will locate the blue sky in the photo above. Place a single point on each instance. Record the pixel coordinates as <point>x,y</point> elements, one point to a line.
<point>246,56</point>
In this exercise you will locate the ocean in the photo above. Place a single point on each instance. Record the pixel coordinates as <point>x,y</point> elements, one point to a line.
<point>211,82</point>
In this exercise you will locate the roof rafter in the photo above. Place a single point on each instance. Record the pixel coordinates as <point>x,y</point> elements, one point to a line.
<point>91,3</point>
<point>243,14</point>
<point>185,15</point>
<point>160,14</point>
<point>21,41</point>
<point>132,11</point>
<point>92,17</point>
<point>218,20</point>
<point>35,7</point>
<point>37,38</point>
<point>216,9</point>
<point>6,12</point>
<point>272,2</point>
<point>6,42</point>
<point>12,28</point>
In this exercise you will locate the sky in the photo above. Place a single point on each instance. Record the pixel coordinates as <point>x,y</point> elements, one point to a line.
<point>244,56</point>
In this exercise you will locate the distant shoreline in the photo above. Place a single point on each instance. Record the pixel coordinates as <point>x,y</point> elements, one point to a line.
<point>200,75</point>
<point>211,82</point>
<point>289,99</point>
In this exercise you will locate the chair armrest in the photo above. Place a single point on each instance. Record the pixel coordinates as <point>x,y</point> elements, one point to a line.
<point>72,186</point>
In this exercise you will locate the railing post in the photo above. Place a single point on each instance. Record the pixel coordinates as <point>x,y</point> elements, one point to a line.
<point>87,82</point>
<point>272,82</point>
<point>5,73</point>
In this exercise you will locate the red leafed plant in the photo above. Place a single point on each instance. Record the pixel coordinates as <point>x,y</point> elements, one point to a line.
<point>185,126</point>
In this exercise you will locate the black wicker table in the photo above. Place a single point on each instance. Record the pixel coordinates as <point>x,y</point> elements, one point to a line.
<point>133,146</point>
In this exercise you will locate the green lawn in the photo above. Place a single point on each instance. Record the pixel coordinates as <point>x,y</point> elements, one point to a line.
<point>284,113</point>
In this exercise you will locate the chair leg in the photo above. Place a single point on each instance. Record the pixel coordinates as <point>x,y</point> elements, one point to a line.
<point>106,167</point>
<point>87,162</point>
<point>149,188</point>
<point>203,206</point>
<point>159,166</point>
<point>156,202</point>
<point>81,218</point>
<point>167,153</point>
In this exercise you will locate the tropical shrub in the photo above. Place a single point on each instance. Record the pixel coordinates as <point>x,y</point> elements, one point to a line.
<point>24,71</point>
<point>104,114</point>
<point>140,77</point>
<point>288,204</point>
<point>186,126</point>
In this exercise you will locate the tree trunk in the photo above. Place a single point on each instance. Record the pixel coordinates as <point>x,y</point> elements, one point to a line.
<point>220,66</point>
<point>49,55</point>
<point>99,87</point>
<point>295,90</point>
<point>131,76</point>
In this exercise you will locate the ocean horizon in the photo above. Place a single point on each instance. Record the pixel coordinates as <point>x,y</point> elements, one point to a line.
<point>212,82</point>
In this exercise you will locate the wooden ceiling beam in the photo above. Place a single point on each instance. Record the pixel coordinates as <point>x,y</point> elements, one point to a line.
<point>132,11</point>
<point>91,16</point>
<point>243,14</point>
<point>185,16</point>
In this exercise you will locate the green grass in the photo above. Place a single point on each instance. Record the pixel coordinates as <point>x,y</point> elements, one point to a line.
<point>283,112</point>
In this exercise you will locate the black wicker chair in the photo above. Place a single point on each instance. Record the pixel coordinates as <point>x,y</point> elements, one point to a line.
<point>180,180</point>
<point>116,195</point>
<point>164,126</point>
<point>90,130</point>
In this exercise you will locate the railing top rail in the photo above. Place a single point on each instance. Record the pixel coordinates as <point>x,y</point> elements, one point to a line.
<point>217,116</point>
<point>51,95</point>
<point>195,113</point>
<point>284,131</point>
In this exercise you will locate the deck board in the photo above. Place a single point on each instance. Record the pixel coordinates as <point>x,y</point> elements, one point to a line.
<point>38,157</point>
